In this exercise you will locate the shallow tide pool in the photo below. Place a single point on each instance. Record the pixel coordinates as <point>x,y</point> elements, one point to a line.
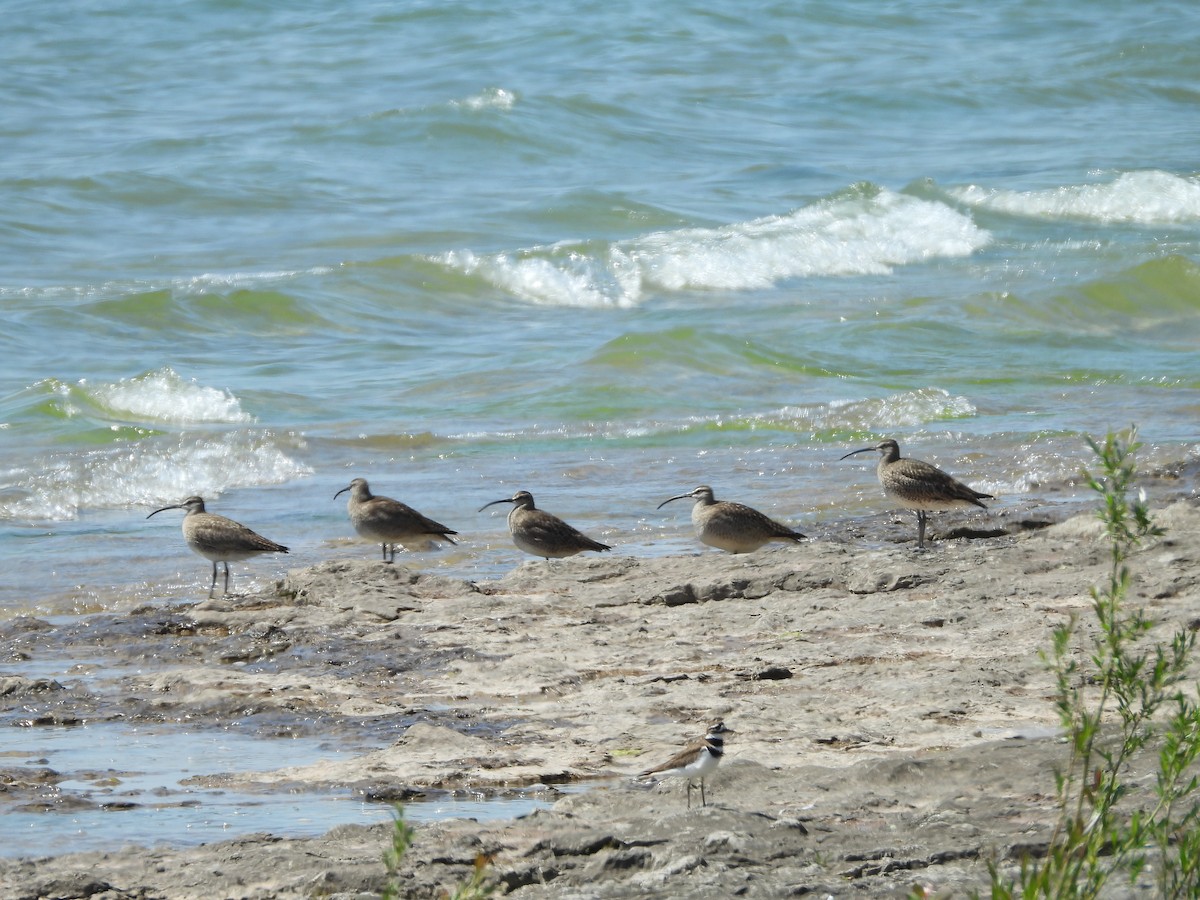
<point>120,786</point>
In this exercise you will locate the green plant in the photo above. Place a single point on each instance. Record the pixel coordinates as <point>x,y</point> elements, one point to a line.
<point>402,837</point>
<point>1105,825</point>
<point>476,886</point>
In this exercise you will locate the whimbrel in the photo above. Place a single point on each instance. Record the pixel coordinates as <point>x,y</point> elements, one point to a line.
<point>732,526</point>
<point>539,533</point>
<point>219,539</point>
<point>390,521</point>
<point>919,486</point>
<point>696,760</point>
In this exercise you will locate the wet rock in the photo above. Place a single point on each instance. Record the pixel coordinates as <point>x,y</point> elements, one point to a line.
<point>971,533</point>
<point>581,843</point>
<point>15,687</point>
<point>48,719</point>
<point>678,595</point>
<point>623,860</point>
<point>394,793</point>
<point>72,886</point>
<point>770,673</point>
<point>24,625</point>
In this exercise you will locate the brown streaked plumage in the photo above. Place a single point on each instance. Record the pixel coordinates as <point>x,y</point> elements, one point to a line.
<point>919,486</point>
<point>219,539</point>
<point>389,521</point>
<point>696,760</point>
<point>539,533</point>
<point>732,526</point>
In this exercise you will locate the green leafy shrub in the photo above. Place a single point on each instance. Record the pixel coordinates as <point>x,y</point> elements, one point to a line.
<point>1124,700</point>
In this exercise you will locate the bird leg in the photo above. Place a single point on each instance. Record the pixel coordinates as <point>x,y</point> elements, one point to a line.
<point>226,576</point>
<point>213,587</point>
<point>921,517</point>
<point>703,801</point>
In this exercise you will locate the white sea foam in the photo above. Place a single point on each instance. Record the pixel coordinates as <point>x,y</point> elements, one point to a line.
<point>210,449</point>
<point>224,281</point>
<point>847,236</point>
<point>1144,198</point>
<point>571,280</point>
<point>162,396</point>
<point>865,232</point>
<point>144,473</point>
<point>492,98</point>
<point>909,409</point>
<point>905,410</point>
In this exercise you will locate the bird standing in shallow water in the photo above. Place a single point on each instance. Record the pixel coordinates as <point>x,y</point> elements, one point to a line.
<point>732,526</point>
<point>696,760</point>
<point>389,521</point>
<point>219,539</point>
<point>919,486</point>
<point>539,533</point>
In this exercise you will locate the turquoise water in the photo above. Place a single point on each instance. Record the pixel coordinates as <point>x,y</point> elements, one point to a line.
<point>598,251</point>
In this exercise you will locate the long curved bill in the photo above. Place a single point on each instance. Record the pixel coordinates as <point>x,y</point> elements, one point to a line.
<point>680,497</point>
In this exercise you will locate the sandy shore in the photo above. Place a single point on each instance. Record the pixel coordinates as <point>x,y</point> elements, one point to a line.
<point>894,720</point>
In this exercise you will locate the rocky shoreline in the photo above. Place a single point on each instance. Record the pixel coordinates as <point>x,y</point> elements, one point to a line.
<point>894,721</point>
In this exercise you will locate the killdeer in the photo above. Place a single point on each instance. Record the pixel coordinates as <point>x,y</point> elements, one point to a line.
<point>539,533</point>
<point>219,539</point>
<point>696,760</point>
<point>732,526</point>
<point>919,486</point>
<point>390,521</point>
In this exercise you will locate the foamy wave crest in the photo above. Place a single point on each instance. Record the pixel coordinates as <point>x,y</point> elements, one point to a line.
<point>1144,198</point>
<point>57,488</point>
<point>162,396</point>
<point>880,414</point>
<point>863,232</point>
<point>866,233</point>
<point>568,280</point>
<point>492,98</point>
<point>224,281</point>
<point>906,410</point>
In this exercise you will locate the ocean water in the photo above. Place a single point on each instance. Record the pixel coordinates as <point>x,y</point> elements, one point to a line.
<point>598,251</point>
<point>602,252</point>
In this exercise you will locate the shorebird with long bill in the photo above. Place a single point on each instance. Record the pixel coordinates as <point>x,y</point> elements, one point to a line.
<point>539,533</point>
<point>732,526</point>
<point>389,521</point>
<point>919,486</point>
<point>219,539</point>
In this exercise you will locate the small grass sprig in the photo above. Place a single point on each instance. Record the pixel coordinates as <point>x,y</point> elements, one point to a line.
<point>474,888</point>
